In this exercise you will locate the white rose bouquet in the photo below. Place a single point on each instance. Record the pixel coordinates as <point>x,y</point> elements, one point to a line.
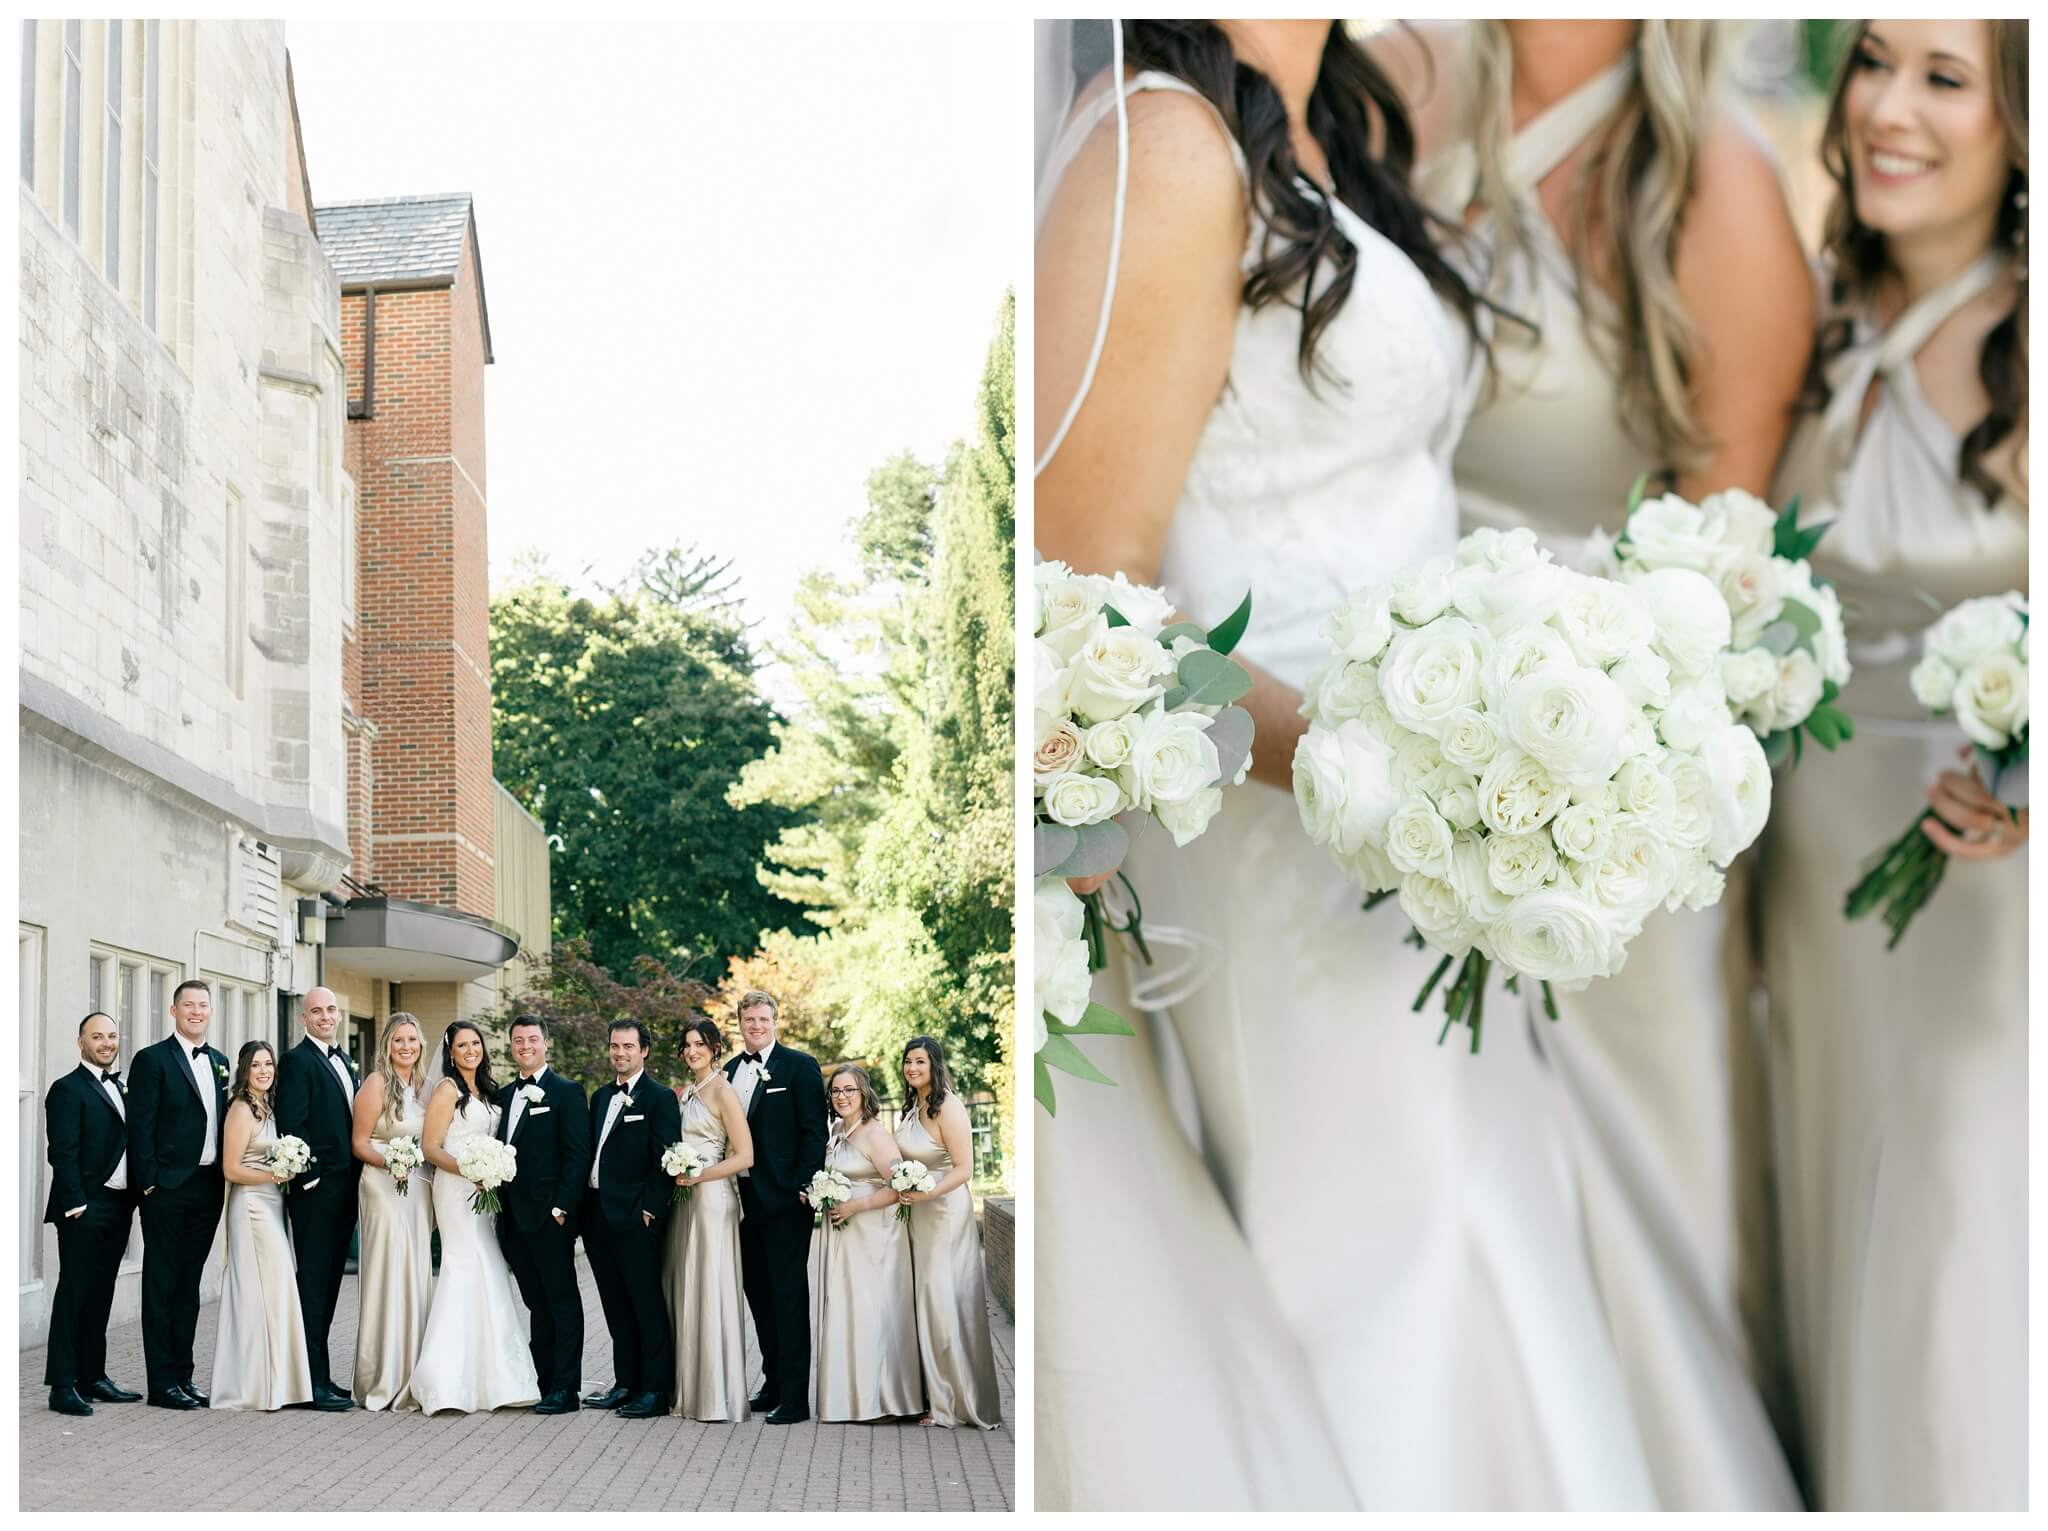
<point>1530,759</point>
<point>1975,666</point>
<point>1134,722</point>
<point>909,1175</point>
<point>681,1159</point>
<point>487,1164</point>
<point>829,1189</point>
<point>1786,657</point>
<point>287,1157</point>
<point>401,1157</point>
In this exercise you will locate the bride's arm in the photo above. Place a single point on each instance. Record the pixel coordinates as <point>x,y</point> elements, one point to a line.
<point>440,1116</point>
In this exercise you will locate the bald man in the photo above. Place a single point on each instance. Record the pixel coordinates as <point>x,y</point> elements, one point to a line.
<point>316,1097</point>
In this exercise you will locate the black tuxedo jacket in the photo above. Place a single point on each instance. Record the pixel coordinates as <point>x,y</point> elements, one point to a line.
<point>86,1140</point>
<point>787,1118</point>
<point>629,1174</point>
<point>311,1104</point>
<point>167,1118</point>
<point>554,1152</point>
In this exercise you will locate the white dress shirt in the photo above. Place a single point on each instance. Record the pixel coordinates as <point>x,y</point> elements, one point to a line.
<point>744,1080</point>
<point>202,1070</point>
<point>519,1101</point>
<point>348,1083</point>
<point>118,1181</point>
<point>611,1116</point>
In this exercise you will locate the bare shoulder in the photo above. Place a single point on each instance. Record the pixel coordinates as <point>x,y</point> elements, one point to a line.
<point>444,1091</point>
<point>1738,190</point>
<point>1182,177</point>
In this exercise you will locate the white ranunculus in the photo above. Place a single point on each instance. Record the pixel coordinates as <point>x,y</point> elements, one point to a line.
<point>1797,691</point>
<point>1059,955</point>
<point>1517,796</point>
<point>1557,936</point>
<point>1604,622</point>
<point>1597,555</point>
<point>1706,887</point>
<point>1059,751</point>
<point>1340,688</point>
<point>1741,779</point>
<point>1670,533</point>
<point>1067,607</point>
<point>1146,609</point>
<point>1472,876</point>
<point>1520,864</point>
<point>1634,877</point>
<point>1418,840</point>
<point>1417,757</point>
<point>1695,710</point>
<point>1109,744</point>
<point>1115,670</point>
<point>1360,628</point>
<point>1934,683</point>
<point>1501,600</point>
<point>1430,672</point>
<point>1693,625</point>
<point>1516,654</point>
<point>1831,643</point>
<point>1344,785</point>
<point>1459,804</point>
<point>1748,674</point>
<point>1469,740</point>
<point>1647,794</point>
<point>1973,628</point>
<point>1738,519</point>
<point>1422,592</point>
<point>1078,798</point>
<point>1434,908</point>
<point>1574,721</point>
<point>1374,715</point>
<point>1172,758</point>
<point>1691,823</point>
<point>1050,678</point>
<point>1603,795</point>
<point>1583,831</point>
<point>1750,585</point>
<point>1644,678</point>
<point>1370,866</point>
<point>1991,698</point>
<point>1187,820</point>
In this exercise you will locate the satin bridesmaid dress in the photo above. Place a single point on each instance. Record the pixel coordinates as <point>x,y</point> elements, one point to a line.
<point>395,1266</point>
<point>259,1352</point>
<point>863,1295</point>
<point>950,1292</point>
<point>701,1281</point>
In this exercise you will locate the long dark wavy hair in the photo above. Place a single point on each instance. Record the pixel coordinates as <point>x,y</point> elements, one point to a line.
<point>1302,237</point>
<point>1861,260</point>
<point>486,1086</point>
<point>942,1082</point>
<point>239,1090</point>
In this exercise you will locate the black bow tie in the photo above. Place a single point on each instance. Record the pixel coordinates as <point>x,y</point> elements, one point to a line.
<point>199,1051</point>
<point>528,1078</point>
<point>335,1052</point>
<point>111,1076</point>
<point>753,1058</point>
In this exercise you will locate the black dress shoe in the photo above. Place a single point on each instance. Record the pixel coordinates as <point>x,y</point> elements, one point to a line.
<point>561,1401</point>
<point>66,1400</point>
<point>327,1392</point>
<point>789,1414</point>
<point>765,1400</point>
<point>331,1402</point>
<point>106,1390</point>
<point>199,1399</point>
<point>173,1398</point>
<point>610,1398</point>
<point>646,1406</point>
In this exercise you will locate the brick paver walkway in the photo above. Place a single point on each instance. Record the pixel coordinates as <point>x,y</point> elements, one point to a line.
<point>133,1457</point>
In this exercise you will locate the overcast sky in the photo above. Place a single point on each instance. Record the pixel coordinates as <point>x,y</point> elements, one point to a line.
<point>731,267</point>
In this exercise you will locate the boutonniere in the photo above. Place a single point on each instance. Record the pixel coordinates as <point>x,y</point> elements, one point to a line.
<point>222,1070</point>
<point>532,1094</point>
<point>627,1099</point>
<point>765,1075</point>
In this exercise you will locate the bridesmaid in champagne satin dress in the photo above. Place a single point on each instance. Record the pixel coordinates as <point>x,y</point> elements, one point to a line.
<point>701,1270</point>
<point>396,1265</point>
<point>1899,1078</point>
<point>950,1284</point>
<point>863,1320</point>
<point>259,1354</point>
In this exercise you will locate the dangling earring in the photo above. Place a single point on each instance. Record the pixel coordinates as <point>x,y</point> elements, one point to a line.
<point>2019,233</point>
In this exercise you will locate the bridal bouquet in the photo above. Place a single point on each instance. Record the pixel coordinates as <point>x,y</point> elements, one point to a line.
<point>287,1157</point>
<point>487,1164</point>
<point>681,1159</point>
<point>909,1175</point>
<point>1505,746</point>
<point>402,1156</point>
<point>1787,658</point>
<point>1976,668</point>
<point>829,1189</point>
<point>1134,722</point>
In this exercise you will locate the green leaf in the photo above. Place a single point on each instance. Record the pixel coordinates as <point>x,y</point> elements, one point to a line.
<point>1060,1053</point>
<point>1820,723</point>
<point>1231,731</point>
<point>1096,1021</point>
<point>1780,638</point>
<point>1805,622</point>
<point>1224,636</point>
<point>1172,698</point>
<point>1098,848</point>
<point>1828,692</point>
<point>1050,845</point>
<point>1636,490</point>
<point>1777,748</point>
<point>1041,1085</point>
<point>1182,630</point>
<point>1211,679</point>
<point>1795,745</point>
<point>1114,617</point>
<point>1845,724</point>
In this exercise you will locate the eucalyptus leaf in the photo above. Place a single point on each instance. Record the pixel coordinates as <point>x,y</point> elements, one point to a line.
<point>1780,638</point>
<point>1804,619</point>
<point>1099,848</point>
<point>1225,635</point>
<point>1060,1053</point>
<point>1041,1085</point>
<point>1211,679</point>
<point>1171,701</point>
<point>1231,732</point>
<point>1182,630</point>
<point>1050,845</point>
<point>1097,1021</point>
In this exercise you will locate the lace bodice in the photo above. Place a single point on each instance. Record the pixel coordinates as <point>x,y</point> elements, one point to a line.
<point>476,1119</point>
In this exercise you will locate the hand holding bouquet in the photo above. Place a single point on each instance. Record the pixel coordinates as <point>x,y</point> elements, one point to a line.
<point>829,1189</point>
<point>681,1159</point>
<point>487,1164</point>
<point>401,1157</point>
<point>1975,667</point>
<point>909,1175</point>
<point>287,1157</point>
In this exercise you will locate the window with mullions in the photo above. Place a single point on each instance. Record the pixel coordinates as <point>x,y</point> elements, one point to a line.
<point>28,103</point>
<point>74,91</point>
<point>111,189</point>
<point>152,72</point>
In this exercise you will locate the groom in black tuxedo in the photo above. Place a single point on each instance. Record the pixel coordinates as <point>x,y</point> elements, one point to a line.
<point>316,1097</point>
<point>783,1093</point>
<point>537,1229</point>
<point>625,1218</point>
<point>86,1116</point>
<point>177,1100</point>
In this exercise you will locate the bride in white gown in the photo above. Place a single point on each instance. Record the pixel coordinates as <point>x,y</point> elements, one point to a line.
<point>1371,1288</point>
<point>474,1355</point>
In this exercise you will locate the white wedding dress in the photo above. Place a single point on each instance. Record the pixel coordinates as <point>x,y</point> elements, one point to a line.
<point>1371,1286</point>
<point>474,1356</point>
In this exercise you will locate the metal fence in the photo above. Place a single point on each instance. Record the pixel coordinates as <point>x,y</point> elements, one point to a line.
<point>982,1124</point>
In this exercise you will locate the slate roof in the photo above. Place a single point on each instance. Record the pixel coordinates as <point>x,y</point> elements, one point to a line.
<point>412,240</point>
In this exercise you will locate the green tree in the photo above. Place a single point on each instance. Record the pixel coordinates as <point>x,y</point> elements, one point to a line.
<point>579,999</point>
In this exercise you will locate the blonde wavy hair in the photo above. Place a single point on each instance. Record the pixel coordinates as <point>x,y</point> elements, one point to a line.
<point>394,1087</point>
<point>1627,203</point>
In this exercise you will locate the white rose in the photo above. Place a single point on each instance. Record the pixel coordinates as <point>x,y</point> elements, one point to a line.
<point>1934,683</point>
<point>1431,672</point>
<point>1798,688</point>
<point>1459,804</point>
<point>1501,600</point>
<point>1991,699</point>
<point>1516,654</point>
<point>1418,840</point>
<point>1434,908</point>
<point>1115,670</point>
<point>1573,721</point>
<point>1974,628</point>
<point>1749,674</point>
<point>1741,779</point>
<point>1603,795</point>
<point>1597,555</point>
<point>1708,883</point>
<point>1670,533</point>
<point>1370,866</point>
<point>1583,831</point>
<point>1422,592</point>
<point>1647,793</point>
<point>1360,628</point>
<point>1738,519</point>
<point>1511,549</point>
<point>1633,878</point>
<point>1340,688</point>
<point>1691,822</point>
<point>1517,796</point>
<point>1189,819</point>
<point>1374,715</point>
<point>1750,585</point>
<point>1520,864</point>
<point>1077,798</point>
<point>1472,877</point>
<point>1109,744</point>
<point>1695,710</point>
<point>1059,751</point>
<point>1172,759</point>
<point>1602,621</point>
<point>1067,608</point>
<point>1049,681</point>
<point>1557,936</point>
<point>1469,740</point>
<point>1059,955</point>
<point>1344,785</point>
<point>1692,619</point>
<point>1644,678</point>
<point>1146,609</point>
<point>1831,643</point>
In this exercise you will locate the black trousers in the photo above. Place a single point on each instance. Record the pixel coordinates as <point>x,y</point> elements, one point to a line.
<point>775,1253</point>
<point>627,1264</point>
<point>89,1250</point>
<point>178,1225</point>
<point>544,1264</point>
<point>322,1222</point>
